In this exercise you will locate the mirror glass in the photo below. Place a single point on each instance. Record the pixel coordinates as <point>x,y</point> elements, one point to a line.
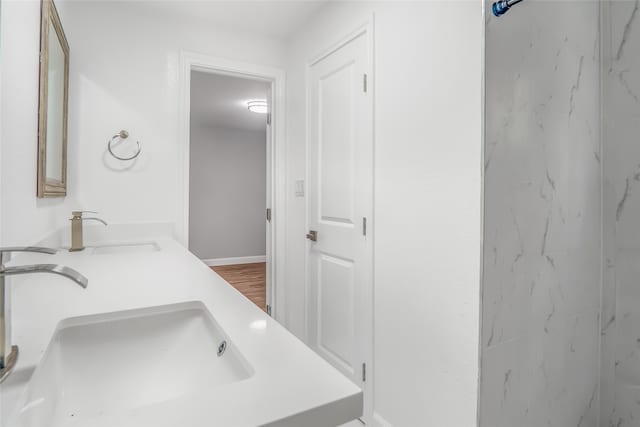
<point>55,107</point>
<point>54,87</point>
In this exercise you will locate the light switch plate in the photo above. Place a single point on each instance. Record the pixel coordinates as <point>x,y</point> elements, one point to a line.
<point>300,188</point>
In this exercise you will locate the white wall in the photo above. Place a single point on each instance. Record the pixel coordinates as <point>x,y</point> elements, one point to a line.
<point>25,219</point>
<point>542,246</point>
<point>129,79</point>
<point>227,192</point>
<point>124,79</point>
<point>427,92</point>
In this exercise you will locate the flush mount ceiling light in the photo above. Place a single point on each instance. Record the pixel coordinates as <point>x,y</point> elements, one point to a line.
<point>259,107</point>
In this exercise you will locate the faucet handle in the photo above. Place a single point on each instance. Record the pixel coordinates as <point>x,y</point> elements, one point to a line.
<point>5,253</point>
<point>79,213</point>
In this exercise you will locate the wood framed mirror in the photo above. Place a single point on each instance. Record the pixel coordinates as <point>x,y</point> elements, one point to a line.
<point>53,104</point>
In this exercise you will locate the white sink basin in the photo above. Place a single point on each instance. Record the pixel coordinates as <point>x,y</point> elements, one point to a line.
<point>113,363</point>
<point>125,248</point>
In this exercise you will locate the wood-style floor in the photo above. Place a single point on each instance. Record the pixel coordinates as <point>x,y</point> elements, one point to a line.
<point>249,279</point>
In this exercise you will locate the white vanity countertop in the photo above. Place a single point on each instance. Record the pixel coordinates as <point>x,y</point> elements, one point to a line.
<point>291,386</point>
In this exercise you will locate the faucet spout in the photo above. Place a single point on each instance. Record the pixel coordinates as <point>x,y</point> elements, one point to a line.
<point>95,219</point>
<point>8,352</point>
<point>60,270</point>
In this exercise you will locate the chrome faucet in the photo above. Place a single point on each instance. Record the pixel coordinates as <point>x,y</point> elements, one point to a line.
<point>76,229</point>
<point>9,356</point>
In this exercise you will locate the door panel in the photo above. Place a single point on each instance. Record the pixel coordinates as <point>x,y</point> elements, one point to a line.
<point>336,319</point>
<point>340,169</point>
<point>336,144</point>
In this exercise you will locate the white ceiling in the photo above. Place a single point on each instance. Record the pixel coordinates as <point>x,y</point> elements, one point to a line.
<point>220,101</point>
<point>271,18</point>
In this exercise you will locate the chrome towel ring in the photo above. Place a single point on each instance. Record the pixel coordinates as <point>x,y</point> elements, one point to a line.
<point>123,134</point>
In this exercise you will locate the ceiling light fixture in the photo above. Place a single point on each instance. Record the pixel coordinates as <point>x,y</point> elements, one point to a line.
<point>259,107</point>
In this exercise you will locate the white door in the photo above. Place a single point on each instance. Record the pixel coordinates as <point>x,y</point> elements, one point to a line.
<point>340,185</point>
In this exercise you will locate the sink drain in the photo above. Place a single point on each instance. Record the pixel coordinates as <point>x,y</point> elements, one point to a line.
<point>221,348</point>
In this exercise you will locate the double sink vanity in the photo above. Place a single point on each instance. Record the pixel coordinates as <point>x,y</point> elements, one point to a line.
<point>155,339</point>
<point>152,336</point>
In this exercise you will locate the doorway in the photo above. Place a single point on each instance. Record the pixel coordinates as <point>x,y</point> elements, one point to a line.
<point>228,223</point>
<point>230,130</point>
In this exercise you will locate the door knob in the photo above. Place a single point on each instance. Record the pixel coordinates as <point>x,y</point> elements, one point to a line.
<point>312,235</point>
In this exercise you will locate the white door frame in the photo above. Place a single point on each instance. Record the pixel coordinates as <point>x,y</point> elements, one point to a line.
<point>191,61</point>
<point>366,28</point>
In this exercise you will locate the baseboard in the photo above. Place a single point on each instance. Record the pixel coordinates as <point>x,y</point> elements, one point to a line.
<point>237,260</point>
<point>379,421</point>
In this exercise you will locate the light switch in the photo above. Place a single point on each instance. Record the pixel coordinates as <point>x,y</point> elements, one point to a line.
<point>300,188</point>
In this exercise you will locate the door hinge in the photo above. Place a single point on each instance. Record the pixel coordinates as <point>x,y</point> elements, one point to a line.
<point>364,83</point>
<point>269,214</point>
<point>364,372</point>
<point>268,309</point>
<point>268,119</point>
<point>364,226</point>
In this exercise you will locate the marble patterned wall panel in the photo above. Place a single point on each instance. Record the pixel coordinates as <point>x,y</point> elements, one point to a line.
<point>541,283</point>
<point>620,328</point>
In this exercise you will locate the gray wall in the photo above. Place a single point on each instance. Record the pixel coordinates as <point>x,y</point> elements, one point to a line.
<point>620,370</point>
<point>227,197</point>
<point>541,284</point>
